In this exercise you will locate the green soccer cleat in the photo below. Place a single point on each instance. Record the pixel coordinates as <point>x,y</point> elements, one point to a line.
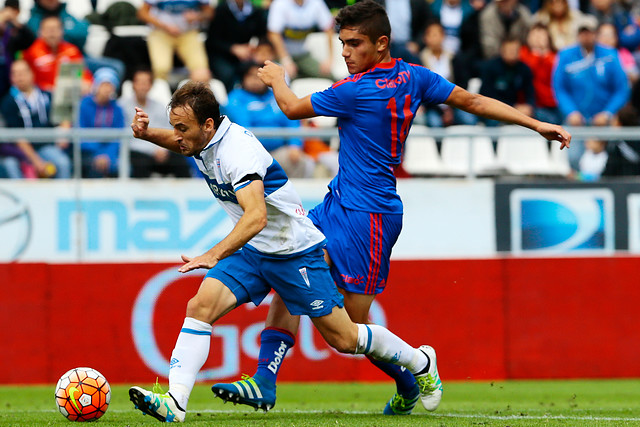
<point>156,403</point>
<point>429,381</point>
<point>252,391</point>
<point>400,405</point>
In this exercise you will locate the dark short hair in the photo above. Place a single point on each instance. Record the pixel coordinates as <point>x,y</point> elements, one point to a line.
<point>199,97</point>
<point>368,16</point>
<point>142,69</point>
<point>14,4</point>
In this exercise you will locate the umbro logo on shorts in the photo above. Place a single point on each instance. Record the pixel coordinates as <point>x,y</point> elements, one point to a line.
<point>317,304</point>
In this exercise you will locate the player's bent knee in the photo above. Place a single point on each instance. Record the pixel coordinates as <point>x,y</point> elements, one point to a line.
<point>198,309</point>
<point>343,343</point>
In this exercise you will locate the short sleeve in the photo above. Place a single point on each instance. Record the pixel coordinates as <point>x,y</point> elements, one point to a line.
<point>435,88</point>
<point>276,17</point>
<point>334,101</point>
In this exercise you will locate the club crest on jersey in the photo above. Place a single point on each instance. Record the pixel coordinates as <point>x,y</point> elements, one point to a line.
<point>305,276</point>
<point>403,77</point>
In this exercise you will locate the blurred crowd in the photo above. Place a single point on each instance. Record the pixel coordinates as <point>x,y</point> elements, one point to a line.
<point>571,62</point>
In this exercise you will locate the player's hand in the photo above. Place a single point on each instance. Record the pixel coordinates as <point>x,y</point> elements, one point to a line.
<point>270,73</point>
<point>203,261</point>
<point>555,133</point>
<point>140,123</point>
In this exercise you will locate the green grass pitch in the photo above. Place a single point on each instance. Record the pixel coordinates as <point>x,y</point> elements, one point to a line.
<point>510,403</point>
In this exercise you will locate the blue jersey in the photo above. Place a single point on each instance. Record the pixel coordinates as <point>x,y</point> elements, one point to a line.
<point>375,110</point>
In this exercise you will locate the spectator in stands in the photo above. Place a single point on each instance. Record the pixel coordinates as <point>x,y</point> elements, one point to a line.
<point>502,19</point>
<point>594,160</point>
<point>408,19</point>
<point>540,56</point>
<point>175,29</point>
<point>100,110</point>
<point>254,105</point>
<point>624,156</point>
<point>235,23</point>
<point>561,20</point>
<point>148,158</point>
<point>589,83</point>
<point>13,37</point>
<point>451,14</point>
<point>49,51</point>
<point>26,106</point>
<point>610,12</point>
<point>438,59</point>
<point>608,36</point>
<point>508,79</point>
<point>288,24</point>
<point>75,31</point>
<point>466,63</point>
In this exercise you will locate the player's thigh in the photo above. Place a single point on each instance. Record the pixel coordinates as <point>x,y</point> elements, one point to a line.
<point>192,52</point>
<point>338,330</point>
<point>239,273</point>
<point>357,305</point>
<point>212,301</point>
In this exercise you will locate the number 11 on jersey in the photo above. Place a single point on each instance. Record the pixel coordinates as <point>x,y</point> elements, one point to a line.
<point>402,112</point>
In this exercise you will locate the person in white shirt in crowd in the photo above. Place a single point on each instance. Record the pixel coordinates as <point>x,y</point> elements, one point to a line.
<point>175,29</point>
<point>288,25</point>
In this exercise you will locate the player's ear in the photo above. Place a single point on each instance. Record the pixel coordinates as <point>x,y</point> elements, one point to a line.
<point>382,43</point>
<point>209,125</point>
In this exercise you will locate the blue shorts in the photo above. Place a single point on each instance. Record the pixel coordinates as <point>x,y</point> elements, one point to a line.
<point>359,244</point>
<point>303,280</point>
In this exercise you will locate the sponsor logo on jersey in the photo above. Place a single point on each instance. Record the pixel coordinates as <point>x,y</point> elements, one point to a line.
<point>279,355</point>
<point>403,77</point>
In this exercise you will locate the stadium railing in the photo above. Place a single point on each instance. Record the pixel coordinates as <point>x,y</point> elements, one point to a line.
<point>76,135</point>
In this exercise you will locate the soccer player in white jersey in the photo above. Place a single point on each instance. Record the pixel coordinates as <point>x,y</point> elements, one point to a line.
<point>272,245</point>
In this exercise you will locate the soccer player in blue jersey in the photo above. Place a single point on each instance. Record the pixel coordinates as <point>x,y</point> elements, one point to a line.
<point>361,215</point>
<point>273,245</point>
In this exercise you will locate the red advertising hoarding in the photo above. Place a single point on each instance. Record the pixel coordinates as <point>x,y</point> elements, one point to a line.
<point>488,319</point>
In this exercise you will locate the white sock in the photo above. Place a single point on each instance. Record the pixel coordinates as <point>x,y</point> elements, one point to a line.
<point>381,344</point>
<point>188,356</point>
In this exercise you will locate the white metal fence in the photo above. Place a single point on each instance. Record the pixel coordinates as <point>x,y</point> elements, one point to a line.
<point>76,135</point>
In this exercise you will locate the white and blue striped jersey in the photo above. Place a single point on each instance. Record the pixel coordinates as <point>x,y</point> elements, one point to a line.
<point>232,154</point>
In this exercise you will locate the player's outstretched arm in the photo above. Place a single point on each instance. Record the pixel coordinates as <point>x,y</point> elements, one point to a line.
<point>293,107</point>
<point>161,137</point>
<point>252,221</point>
<point>496,110</point>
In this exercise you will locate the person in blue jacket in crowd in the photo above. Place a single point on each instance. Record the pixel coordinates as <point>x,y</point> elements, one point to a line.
<point>253,105</point>
<point>100,110</point>
<point>590,84</point>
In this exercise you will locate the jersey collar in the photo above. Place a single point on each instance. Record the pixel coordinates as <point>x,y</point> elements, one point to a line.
<point>220,132</point>
<point>385,65</point>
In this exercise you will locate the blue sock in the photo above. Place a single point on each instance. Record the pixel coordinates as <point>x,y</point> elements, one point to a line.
<point>274,344</point>
<point>405,381</point>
